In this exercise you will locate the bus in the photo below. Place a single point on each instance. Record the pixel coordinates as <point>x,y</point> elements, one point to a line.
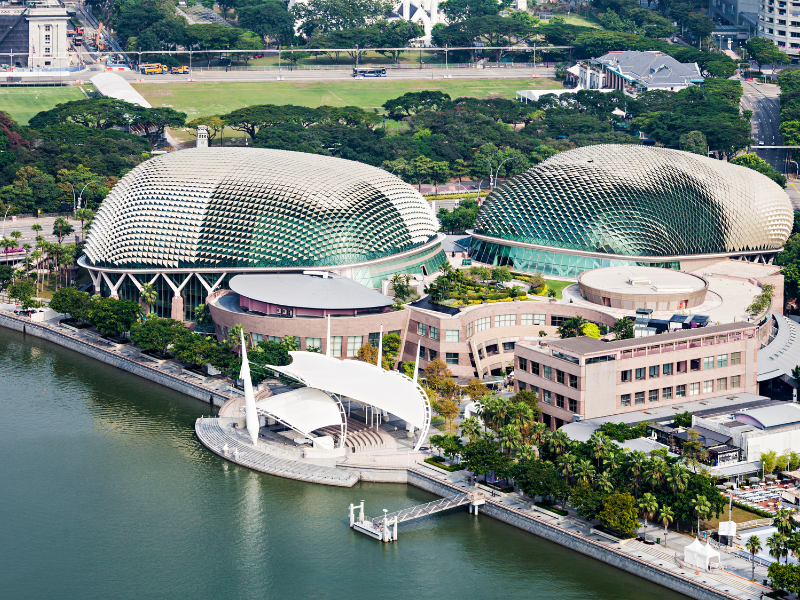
<point>361,72</point>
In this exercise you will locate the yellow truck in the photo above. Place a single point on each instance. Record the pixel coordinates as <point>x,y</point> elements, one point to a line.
<point>152,69</point>
<point>179,70</point>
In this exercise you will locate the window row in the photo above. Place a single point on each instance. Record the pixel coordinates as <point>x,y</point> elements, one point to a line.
<point>695,364</point>
<point>694,389</point>
<point>450,335</point>
<point>484,323</point>
<point>548,397</point>
<point>547,372</point>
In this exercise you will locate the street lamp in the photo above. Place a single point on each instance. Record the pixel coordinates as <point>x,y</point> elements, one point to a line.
<point>3,235</point>
<point>497,173</point>
<point>80,196</point>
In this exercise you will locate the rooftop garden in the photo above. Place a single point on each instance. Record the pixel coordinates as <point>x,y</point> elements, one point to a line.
<point>476,285</point>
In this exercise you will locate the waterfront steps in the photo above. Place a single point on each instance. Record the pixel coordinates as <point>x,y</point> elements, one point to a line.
<point>361,437</point>
<point>212,435</point>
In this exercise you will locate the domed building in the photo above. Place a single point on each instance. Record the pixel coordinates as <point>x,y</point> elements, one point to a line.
<point>614,205</point>
<point>189,221</point>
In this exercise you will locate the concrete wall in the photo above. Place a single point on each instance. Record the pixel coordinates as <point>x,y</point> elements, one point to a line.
<point>576,542</point>
<point>44,332</point>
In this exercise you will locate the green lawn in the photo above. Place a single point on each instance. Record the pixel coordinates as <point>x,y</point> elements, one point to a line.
<point>558,286</point>
<point>198,99</point>
<point>22,103</point>
<point>587,21</point>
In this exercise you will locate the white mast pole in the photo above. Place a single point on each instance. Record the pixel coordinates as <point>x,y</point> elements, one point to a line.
<point>250,414</point>
<point>328,351</point>
<point>416,362</point>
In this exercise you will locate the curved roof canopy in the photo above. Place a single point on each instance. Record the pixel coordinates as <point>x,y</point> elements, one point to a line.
<point>770,416</point>
<point>308,291</point>
<point>115,86</point>
<point>304,409</point>
<point>255,207</point>
<point>362,382</point>
<point>638,201</point>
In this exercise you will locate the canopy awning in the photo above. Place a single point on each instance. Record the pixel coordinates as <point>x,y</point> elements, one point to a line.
<point>304,409</point>
<point>363,382</point>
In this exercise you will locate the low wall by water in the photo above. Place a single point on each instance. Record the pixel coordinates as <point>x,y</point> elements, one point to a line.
<point>45,332</point>
<point>576,542</point>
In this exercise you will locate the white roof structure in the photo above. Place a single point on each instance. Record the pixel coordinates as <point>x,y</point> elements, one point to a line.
<point>365,383</point>
<point>770,416</point>
<point>114,86</point>
<point>304,409</point>
<point>699,554</point>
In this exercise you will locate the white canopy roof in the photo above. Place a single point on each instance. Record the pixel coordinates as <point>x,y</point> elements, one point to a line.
<point>304,409</point>
<point>114,86</point>
<point>362,382</point>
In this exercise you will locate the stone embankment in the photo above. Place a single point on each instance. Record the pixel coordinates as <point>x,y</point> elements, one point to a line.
<point>138,366</point>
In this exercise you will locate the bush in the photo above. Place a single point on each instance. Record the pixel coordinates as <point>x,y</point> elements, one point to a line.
<point>438,461</point>
<point>552,509</point>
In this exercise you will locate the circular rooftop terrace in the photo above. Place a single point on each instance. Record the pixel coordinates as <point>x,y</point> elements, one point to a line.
<point>629,288</point>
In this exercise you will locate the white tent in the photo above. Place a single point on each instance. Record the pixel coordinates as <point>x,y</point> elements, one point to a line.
<point>304,409</point>
<point>700,555</point>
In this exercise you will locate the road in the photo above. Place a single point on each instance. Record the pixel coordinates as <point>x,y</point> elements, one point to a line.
<point>764,100</point>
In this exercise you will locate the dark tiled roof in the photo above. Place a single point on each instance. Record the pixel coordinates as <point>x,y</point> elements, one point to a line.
<point>587,345</point>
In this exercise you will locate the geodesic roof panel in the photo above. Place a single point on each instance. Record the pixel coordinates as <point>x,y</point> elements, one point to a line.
<point>251,207</point>
<point>639,201</point>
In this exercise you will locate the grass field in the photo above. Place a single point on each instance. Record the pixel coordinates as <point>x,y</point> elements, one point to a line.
<point>24,102</point>
<point>558,286</point>
<point>198,99</point>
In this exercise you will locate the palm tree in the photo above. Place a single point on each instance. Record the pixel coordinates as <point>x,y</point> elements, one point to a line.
<point>15,235</point>
<point>527,453</point>
<point>27,260</point>
<point>648,505</point>
<point>753,545</point>
<point>584,470</point>
<point>148,295</point>
<point>783,521</point>
<point>793,543</point>
<point>520,414</point>
<point>291,343</point>
<point>539,433</point>
<point>666,516</point>
<point>701,507</point>
<point>598,442</point>
<point>84,214</point>
<point>559,442</point>
<point>35,256</point>
<point>471,428</point>
<point>566,464</point>
<point>612,458</point>
<point>775,543</point>
<point>677,478</point>
<point>510,438</point>
<point>657,472</point>
<point>637,461</point>
<point>603,482</point>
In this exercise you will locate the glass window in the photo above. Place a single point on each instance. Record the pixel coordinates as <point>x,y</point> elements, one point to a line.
<point>694,389</point>
<point>559,376</point>
<point>680,391</point>
<point>508,346</point>
<point>535,389</point>
<point>421,328</point>
<point>540,319</point>
<point>625,375</point>
<point>653,371</point>
<point>694,364</point>
<point>469,329</point>
<point>708,386</point>
<point>274,338</point>
<point>256,337</point>
<point>505,320</point>
<point>522,363</point>
<point>652,396</point>
<point>313,343</point>
<point>735,382</point>
<point>666,393</point>
<point>432,354</point>
<point>548,372</point>
<point>482,324</point>
<point>666,369</point>
<point>639,398</point>
<point>559,401</point>
<point>547,396</point>
<point>556,321</point>
<point>722,360</point>
<point>708,363</point>
<point>353,344</point>
<point>534,368</point>
<point>640,373</point>
<point>491,350</point>
<point>336,345</point>
<point>526,319</point>
<point>681,368</point>
<point>451,335</point>
<point>572,404</point>
<point>373,339</point>
<point>736,358</point>
<point>451,358</point>
<point>434,332</point>
<point>625,400</point>
<point>521,384</point>
<point>722,384</point>
<point>573,381</point>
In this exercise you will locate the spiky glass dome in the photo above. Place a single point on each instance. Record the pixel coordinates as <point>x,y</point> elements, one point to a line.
<point>249,207</point>
<point>638,201</point>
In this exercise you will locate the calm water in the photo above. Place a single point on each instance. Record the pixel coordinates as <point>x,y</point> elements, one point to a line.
<point>106,493</point>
